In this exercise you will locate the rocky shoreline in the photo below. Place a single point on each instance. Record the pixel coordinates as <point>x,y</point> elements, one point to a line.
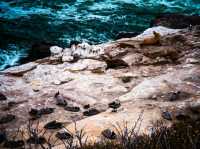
<point>98,86</point>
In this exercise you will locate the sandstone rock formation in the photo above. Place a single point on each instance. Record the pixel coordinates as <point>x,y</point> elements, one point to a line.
<point>158,79</point>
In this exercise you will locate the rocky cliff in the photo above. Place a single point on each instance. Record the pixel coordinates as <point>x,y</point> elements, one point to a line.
<point>152,77</point>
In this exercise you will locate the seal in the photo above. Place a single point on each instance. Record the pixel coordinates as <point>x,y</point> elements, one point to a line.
<point>2,97</point>
<point>137,43</point>
<point>152,40</point>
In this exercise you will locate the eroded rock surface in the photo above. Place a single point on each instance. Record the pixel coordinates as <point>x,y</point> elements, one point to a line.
<point>157,82</point>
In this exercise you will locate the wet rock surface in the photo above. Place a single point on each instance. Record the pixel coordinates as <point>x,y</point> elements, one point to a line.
<point>155,80</point>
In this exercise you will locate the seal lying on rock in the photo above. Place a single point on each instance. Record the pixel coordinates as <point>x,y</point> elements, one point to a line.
<point>72,108</point>
<point>114,105</point>
<point>14,144</point>
<point>137,43</point>
<point>63,135</point>
<point>38,113</point>
<point>2,97</point>
<point>53,125</point>
<point>114,63</point>
<point>60,101</point>
<point>3,136</point>
<point>36,140</point>
<point>12,104</point>
<point>91,112</point>
<point>109,134</point>
<point>7,118</point>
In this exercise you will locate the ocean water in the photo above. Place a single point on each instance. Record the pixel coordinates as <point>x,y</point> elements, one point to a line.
<point>24,22</point>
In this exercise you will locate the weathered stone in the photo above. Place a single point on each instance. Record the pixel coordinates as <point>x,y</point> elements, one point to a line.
<point>20,70</point>
<point>55,50</point>
<point>179,21</point>
<point>192,61</point>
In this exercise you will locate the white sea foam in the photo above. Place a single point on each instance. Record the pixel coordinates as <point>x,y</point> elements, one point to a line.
<point>10,57</point>
<point>86,21</point>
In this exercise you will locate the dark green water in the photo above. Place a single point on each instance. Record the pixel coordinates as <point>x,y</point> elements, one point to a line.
<point>24,22</point>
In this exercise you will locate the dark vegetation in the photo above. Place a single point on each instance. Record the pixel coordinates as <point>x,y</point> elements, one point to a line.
<point>182,135</point>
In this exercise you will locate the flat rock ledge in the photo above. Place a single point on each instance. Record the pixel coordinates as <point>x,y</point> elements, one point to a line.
<point>154,76</point>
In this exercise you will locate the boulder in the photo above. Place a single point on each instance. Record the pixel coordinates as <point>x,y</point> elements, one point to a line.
<point>55,50</point>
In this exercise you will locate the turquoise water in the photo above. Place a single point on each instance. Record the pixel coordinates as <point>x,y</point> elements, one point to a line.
<point>24,22</point>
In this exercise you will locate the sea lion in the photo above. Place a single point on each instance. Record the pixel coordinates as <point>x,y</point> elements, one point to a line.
<point>60,100</point>
<point>63,135</point>
<point>109,134</point>
<point>137,43</point>
<point>72,108</point>
<point>2,97</point>
<point>114,105</point>
<point>152,40</point>
<point>91,112</point>
<point>53,125</point>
